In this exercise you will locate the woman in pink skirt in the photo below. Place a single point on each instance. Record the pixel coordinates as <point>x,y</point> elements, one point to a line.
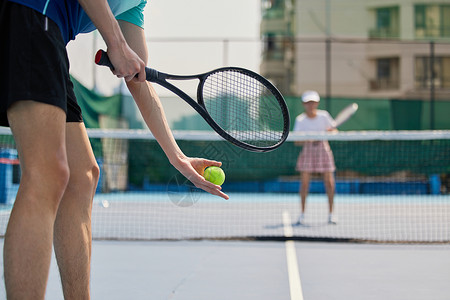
<point>316,156</point>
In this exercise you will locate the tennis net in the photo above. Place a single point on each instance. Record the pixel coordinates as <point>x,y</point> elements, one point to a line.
<point>390,187</point>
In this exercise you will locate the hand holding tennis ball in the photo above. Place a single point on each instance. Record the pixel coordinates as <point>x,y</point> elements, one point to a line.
<point>215,175</point>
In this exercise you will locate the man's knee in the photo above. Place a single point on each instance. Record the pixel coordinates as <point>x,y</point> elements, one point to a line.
<point>48,181</point>
<point>94,174</point>
<point>85,178</point>
<point>58,175</point>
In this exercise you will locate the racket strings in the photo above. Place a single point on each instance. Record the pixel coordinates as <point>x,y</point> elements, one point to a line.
<point>244,107</point>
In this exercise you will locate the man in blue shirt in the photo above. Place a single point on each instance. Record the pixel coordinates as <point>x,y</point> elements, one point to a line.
<point>59,171</point>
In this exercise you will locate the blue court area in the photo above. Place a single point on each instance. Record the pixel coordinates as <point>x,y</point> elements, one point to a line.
<point>197,215</point>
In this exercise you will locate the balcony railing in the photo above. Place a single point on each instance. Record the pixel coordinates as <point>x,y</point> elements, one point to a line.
<point>383,84</point>
<point>384,33</point>
<point>432,32</point>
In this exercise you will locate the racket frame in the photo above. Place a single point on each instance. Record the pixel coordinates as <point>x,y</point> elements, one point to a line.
<point>352,108</point>
<point>161,78</point>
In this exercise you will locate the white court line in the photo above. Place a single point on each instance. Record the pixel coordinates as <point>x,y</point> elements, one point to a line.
<point>295,285</point>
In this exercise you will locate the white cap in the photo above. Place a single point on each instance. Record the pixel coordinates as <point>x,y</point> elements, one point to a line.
<point>310,96</point>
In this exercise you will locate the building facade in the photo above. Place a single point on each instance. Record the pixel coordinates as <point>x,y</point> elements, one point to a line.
<point>352,48</point>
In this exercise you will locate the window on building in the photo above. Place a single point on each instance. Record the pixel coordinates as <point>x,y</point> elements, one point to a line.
<point>384,68</point>
<point>387,23</point>
<point>383,18</point>
<point>432,20</point>
<point>387,74</point>
<point>445,17</point>
<point>441,68</point>
<point>274,46</point>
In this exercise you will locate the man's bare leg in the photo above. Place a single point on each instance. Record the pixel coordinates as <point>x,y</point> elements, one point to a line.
<point>39,132</point>
<point>72,233</point>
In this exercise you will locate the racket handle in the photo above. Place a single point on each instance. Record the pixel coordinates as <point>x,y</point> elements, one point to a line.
<point>102,59</point>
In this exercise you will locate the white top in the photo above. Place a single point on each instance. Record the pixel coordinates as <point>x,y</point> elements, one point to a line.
<point>321,122</point>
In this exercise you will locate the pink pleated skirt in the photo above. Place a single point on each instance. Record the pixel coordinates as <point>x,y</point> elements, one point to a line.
<point>316,157</point>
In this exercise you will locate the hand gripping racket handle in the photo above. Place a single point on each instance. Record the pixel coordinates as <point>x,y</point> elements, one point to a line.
<point>102,59</point>
<point>152,75</point>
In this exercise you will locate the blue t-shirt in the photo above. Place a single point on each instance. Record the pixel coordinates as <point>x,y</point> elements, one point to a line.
<point>72,19</point>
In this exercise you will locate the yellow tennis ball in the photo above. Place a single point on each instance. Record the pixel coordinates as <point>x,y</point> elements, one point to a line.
<point>214,175</point>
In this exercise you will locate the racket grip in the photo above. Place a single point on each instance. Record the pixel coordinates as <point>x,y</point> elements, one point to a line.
<point>151,75</point>
<point>102,59</point>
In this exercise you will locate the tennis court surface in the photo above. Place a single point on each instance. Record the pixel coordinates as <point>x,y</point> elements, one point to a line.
<point>215,249</point>
<point>203,270</point>
<point>157,237</point>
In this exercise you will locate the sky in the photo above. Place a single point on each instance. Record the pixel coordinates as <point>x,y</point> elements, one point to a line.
<point>202,18</point>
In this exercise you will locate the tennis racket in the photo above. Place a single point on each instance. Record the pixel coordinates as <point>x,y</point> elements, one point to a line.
<point>240,105</point>
<point>345,114</point>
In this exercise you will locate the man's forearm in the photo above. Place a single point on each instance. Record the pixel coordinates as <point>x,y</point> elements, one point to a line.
<point>152,111</point>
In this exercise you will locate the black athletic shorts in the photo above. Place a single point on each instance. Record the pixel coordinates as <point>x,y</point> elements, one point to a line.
<point>33,62</point>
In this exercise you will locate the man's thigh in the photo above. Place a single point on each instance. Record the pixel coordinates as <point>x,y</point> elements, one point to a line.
<point>39,132</point>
